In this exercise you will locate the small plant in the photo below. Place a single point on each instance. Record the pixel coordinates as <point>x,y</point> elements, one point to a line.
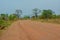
<point>3,24</point>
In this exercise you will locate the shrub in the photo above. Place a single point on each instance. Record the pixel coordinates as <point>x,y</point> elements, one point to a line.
<point>3,24</point>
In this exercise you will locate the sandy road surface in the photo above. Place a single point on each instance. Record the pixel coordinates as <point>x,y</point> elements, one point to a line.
<point>31,30</point>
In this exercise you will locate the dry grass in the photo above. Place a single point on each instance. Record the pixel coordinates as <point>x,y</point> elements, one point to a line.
<point>7,23</point>
<point>57,21</point>
<point>1,31</point>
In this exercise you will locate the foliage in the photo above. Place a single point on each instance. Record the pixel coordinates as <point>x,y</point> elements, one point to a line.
<point>47,14</point>
<point>36,11</point>
<point>18,13</point>
<point>3,24</point>
<point>26,17</point>
<point>58,16</point>
<point>54,16</point>
<point>12,17</point>
<point>4,16</point>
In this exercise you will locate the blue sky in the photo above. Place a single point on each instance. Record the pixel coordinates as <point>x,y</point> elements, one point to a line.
<point>9,6</point>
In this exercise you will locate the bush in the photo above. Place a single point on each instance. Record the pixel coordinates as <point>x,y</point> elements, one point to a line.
<point>12,17</point>
<point>3,24</point>
<point>26,17</point>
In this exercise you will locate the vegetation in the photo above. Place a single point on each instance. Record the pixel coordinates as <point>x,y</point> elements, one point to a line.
<point>3,24</point>
<point>26,17</point>
<point>12,17</point>
<point>6,19</point>
<point>46,16</point>
<point>18,13</point>
<point>36,11</point>
<point>42,15</point>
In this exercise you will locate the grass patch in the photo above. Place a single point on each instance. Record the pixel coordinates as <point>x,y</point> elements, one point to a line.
<point>56,21</point>
<point>3,26</point>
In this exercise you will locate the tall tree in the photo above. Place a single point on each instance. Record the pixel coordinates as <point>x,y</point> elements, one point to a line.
<point>18,13</point>
<point>47,14</point>
<point>36,11</point>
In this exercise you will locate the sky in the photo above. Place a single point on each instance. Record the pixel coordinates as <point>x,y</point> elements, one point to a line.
<point>9,6</point>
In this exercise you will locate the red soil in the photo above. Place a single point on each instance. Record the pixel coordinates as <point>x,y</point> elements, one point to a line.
<point>32,30</point>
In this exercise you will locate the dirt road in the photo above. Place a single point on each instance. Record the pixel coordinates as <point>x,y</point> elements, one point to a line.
<point>32,30</point>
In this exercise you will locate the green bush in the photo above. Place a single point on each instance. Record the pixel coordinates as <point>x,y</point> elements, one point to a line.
<point>12,17</point>
<point>3,24</point>
<point>26,17</point>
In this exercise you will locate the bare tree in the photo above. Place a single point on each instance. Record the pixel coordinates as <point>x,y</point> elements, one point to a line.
<point>18,13</point>
<point>36,11</point>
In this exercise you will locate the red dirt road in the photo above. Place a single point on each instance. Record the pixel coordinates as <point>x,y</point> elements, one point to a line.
<point>32,30</point>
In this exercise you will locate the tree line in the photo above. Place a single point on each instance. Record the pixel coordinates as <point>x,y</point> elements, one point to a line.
<point>38,14</point>
<point>5,19</point>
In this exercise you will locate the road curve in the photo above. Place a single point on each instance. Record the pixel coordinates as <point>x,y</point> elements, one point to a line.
<point>32,30</point>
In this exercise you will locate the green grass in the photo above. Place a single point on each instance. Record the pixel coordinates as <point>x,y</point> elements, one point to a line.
<point>4,24</point>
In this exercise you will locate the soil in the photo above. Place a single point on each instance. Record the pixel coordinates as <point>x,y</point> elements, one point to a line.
<point>32,30</point>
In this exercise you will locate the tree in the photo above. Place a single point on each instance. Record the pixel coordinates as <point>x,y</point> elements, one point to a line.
<point>26,17</point>
<point>47,14</point>
<point>36,11</point>
<point>4,16</point>
<point>12,17</point>
<point>18,13</point>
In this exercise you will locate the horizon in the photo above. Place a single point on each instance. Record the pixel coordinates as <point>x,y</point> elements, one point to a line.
<point>9,6</point>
